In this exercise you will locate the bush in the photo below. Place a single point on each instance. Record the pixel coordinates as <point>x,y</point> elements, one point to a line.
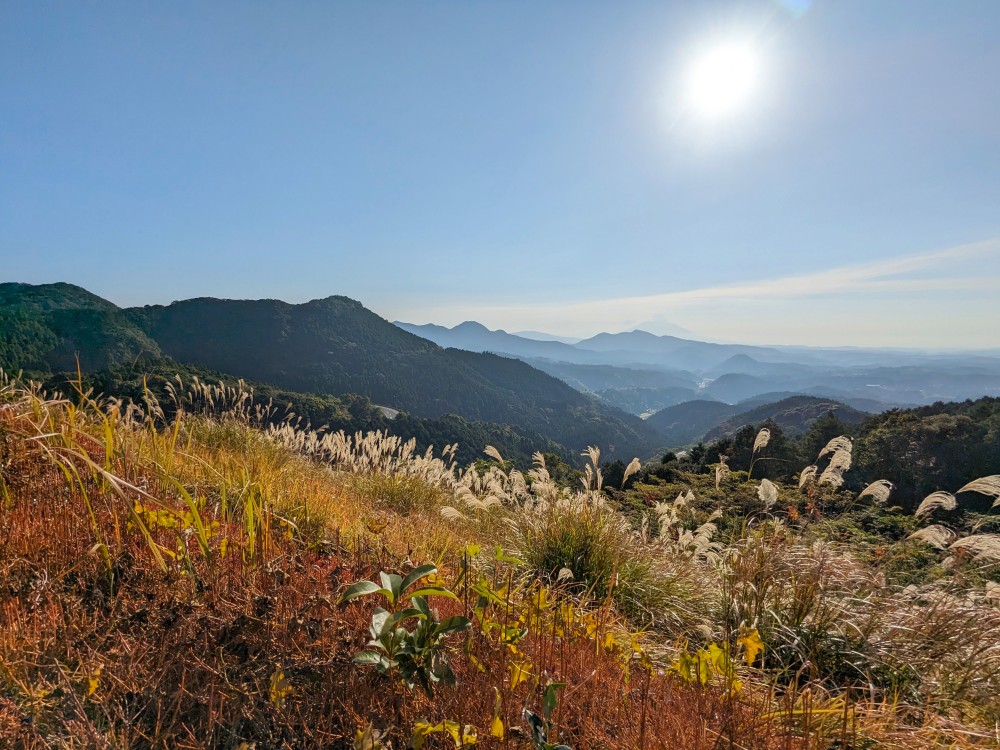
<point>605,556</point>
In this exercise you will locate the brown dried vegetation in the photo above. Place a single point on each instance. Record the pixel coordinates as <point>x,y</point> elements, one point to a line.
<point>175,585</point>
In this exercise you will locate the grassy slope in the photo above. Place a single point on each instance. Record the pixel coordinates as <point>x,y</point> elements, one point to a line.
<point>100,645</point>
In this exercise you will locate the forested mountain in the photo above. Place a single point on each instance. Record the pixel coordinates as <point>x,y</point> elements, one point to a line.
<point>332,346</point>
<point>45,328</point>
<point>793,415</point>
<point>918,450</point>
<point>924,449</point>
<point>336,345</point>
<point>688,422</point>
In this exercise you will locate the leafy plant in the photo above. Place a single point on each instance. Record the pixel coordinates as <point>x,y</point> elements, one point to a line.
<point>419,654</point>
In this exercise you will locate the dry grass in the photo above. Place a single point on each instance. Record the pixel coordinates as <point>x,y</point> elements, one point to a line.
<point>172,583</point>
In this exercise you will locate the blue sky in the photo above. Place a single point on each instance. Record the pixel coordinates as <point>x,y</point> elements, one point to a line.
<point>530,165</point>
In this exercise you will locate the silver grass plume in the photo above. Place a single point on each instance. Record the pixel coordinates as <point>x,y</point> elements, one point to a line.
<point>721,471</point>
<point>841,443</point>
<point>768,493</point>
<point>808,473</point>
<point>840,462</point>
<point>631,469</point>
<point>982,546</point>
<point>935,500</point>
<point>493,453</point>
<point>763,437</point>
<point>985,486</point>
<point>878,490</point>
<point>936,536</point>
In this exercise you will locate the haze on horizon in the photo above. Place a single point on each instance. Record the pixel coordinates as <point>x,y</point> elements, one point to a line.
<point>568,168</point>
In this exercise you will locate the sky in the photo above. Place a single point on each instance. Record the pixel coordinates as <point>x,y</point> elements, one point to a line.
<point>540,166</point>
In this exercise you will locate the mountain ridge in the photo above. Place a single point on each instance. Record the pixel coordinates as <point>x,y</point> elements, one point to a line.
<point>332,345</point>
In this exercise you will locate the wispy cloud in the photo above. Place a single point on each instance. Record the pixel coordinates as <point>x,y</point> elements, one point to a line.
<point>970,273</point>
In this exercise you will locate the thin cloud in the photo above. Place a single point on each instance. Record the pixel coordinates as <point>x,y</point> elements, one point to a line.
<point>969,269</point>
<point>876,276</point>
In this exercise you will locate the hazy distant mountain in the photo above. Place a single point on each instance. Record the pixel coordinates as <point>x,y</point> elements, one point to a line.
<point>541,336</point>
<point>705,421</point>
<point>872,379</point>
<point>475,337</point>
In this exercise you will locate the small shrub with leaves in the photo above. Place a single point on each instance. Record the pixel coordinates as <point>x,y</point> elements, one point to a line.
<point>418,655</point>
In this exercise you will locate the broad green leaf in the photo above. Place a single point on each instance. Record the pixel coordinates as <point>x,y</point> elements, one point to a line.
<point>367,657</point>
<point>549,697</point>
<point>420,603</point>
<point>416,574</point>
<point>453,624</point>
<point>361,588</point>
<point>434,591</point>
<point>380,618</point>
<point>393,583</point>
<point>403,614</point>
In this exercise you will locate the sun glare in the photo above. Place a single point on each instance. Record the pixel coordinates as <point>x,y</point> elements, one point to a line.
<point>723,80</point>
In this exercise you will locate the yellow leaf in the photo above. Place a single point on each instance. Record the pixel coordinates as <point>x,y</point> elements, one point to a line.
<point>519,672</point>
<point>280,689</point>
<point>476,663</point>
<point>752,645</point>
<point>496,729</point>
<point>94,680</point>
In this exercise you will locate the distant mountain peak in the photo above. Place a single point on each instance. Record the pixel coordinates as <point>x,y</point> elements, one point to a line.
<point>470,326</point>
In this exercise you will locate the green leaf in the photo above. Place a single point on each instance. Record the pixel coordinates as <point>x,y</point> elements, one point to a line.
<point>549,697</point>
<point>434,591</point>
<point>380,618</point>
<point>453,624</point>
<point>361,588</point>
<point>404,614</point>
<point>367,657</point>
<point>503,557</point>
<point>416,574</point>
<point>392,583</point>
<point>420,603</point>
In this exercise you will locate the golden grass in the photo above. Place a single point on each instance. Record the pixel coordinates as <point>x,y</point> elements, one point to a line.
<point>161,577</point>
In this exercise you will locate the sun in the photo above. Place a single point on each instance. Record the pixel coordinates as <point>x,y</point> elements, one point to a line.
<point>723,80</point>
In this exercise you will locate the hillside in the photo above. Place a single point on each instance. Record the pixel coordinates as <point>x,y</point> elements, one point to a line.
<point>939,445</point>
<point>336,345</point>
<point>793,415</point>
<point>44,329</point>
<point>329,347</point>
<point>685,423</point>
<point>210,583</point>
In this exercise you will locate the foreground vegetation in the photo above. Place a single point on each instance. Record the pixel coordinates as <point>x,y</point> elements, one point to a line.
<point>197,574</point>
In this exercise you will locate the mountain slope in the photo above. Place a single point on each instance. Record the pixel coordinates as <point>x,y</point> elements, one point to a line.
<point>44,328</point>
<point>335,345</point>
<point>685,423</point>
<point>793,415</point>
